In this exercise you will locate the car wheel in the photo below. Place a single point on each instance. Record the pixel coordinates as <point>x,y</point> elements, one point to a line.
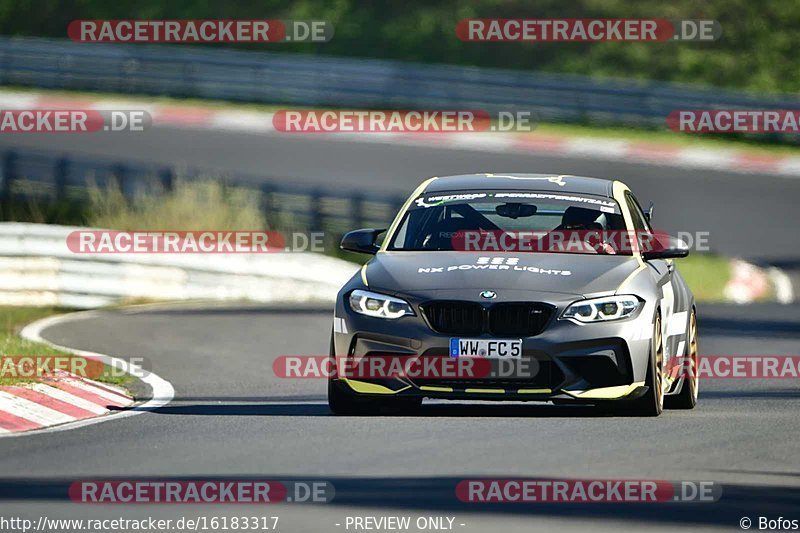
<point>687,397</point>
<point>652,403</point>
<point>342,402</point>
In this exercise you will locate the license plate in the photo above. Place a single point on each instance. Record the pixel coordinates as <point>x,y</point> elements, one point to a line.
<point>486,348</point>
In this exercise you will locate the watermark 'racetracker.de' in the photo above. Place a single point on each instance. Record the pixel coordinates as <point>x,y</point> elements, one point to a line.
<point>200,31</point>
<point>402,121</point>
<point>586,30</point>
<point>72,120</point>
<point>735,120</point>
<point>193,242</point>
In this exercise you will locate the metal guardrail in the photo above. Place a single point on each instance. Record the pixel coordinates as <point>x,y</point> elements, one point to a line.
<point>38,268</point>
<point>31,174</point>
<point>309,80</point>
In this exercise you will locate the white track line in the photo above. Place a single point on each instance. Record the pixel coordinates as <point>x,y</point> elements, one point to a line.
<point>163,392</point>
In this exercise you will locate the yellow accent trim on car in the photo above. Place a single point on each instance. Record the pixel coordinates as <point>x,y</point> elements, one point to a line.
<point>436,389</point>
<point>402,212</point>
<point>606,393</point>
<point>486,391</point>
<point>618,192</point>
<point>370,388</point>
<point>534,391</point>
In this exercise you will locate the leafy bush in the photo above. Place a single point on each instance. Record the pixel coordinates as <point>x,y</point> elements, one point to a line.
<point>757,50</point>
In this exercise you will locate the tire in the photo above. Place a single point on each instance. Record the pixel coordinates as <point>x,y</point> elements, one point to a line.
<point>687,397</point>
<point>343,403</point>
<point>652,403</point>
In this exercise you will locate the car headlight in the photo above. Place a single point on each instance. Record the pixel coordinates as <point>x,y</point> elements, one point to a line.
<point>603,309</point>
<point>379,305</point>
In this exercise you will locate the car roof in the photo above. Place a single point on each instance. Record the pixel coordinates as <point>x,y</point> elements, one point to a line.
<point>527,182</point>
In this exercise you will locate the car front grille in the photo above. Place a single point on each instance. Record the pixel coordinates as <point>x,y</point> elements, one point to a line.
<point>503,319</point>
<point>525,319</point>
<point>455,318</point>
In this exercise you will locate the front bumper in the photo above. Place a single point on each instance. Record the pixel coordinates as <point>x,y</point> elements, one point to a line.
<point>576,363</point>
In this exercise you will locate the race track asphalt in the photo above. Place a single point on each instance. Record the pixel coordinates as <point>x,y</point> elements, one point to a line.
<point>232,418</point>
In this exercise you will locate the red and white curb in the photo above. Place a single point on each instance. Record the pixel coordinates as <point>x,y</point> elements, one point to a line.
<point>782,285</point>
<point>749,283</point>
<point>59,400</point>
<point>67,401</point>
<point>259,122</point>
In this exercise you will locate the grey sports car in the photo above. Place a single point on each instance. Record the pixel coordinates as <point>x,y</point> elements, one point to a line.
<point>471,271</point>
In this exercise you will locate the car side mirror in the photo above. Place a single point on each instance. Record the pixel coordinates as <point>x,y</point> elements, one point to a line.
<point>362,240</point>
<point>665,247</point>
<point>648,213</point>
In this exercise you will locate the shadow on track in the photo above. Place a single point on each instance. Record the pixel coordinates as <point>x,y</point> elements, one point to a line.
<point>282,407</point>
<point>437,495</point>
<point>755,472</point>
<point>763,394</point>
<point>729,327</point>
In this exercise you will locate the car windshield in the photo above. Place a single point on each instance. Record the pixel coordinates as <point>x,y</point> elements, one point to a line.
<point>448,220</point>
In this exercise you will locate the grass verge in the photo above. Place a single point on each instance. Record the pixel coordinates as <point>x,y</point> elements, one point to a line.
<point>12,319</point>
<point>706,275</point>
<point>205,205</point>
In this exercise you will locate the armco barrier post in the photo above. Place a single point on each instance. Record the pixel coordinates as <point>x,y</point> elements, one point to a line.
<point>316,211</point>
<point>118,174</point>
<point>266,204</point>
<point>357,211</point>
<point>167,179</point>
<point>9,174</point>
<point>60,177</point>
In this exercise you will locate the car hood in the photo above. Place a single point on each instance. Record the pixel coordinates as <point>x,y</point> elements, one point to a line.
<point>575,274</point>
